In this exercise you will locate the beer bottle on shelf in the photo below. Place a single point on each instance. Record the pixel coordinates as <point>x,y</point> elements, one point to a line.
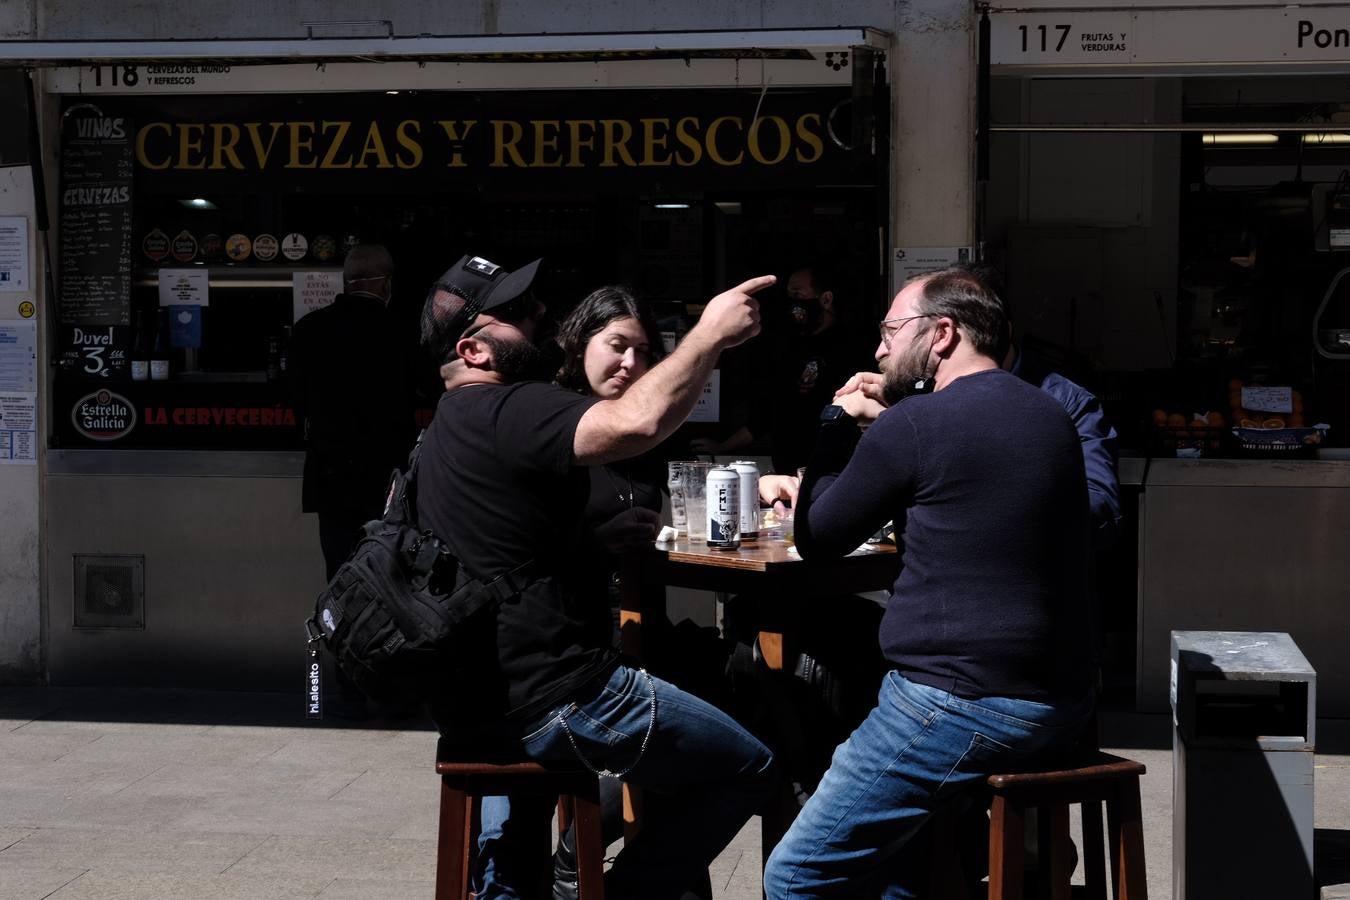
<point>159,353</point>
<point>140,350</point>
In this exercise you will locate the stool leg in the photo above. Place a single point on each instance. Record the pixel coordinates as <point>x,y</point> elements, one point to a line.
<point>1126,823</point>
<point>1094,852</point>
<point>1057,870</point>
<point>590,844</point>
<point>452,844</point>
<point>1006,849</point>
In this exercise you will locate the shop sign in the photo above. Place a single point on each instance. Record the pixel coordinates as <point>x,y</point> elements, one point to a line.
<point>1189,36</point>
<point>94,351</point>
<point>1060,38</point>
<point>103,416</point>
<point>450,139</point>
<point>220,416</point>
<point>313,290</point>
<point>95,217</point>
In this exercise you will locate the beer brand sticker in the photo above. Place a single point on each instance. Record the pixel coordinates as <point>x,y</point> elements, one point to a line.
<point>103,416</point>
<point>238,247</point>
<point>294,246</point>
<point>184,247</point>
<point>324,247</point>
<point>27,309</point>
<point>265,247</point>
<point>155,245</point>
<point>213,246</point>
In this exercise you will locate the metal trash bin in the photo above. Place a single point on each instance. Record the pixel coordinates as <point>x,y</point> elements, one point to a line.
<point>1243,714</point>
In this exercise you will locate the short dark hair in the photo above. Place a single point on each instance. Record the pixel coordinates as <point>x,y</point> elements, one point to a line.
<point>824,275</point>
<point>592,314</point>
<point>442,324</point>
<point>965,298</point>
<point>444,321</point>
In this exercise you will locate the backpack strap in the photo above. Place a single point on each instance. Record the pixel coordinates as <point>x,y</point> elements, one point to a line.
<point>508,584</point>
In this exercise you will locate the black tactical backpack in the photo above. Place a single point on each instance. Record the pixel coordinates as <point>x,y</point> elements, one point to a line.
<point>397,613</point>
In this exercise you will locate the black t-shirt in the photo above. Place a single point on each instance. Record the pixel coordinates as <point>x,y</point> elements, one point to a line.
<point>497,483</point>
<point>809,369</point>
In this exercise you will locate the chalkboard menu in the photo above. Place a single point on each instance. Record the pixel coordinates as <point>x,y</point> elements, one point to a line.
<point>95,263</point>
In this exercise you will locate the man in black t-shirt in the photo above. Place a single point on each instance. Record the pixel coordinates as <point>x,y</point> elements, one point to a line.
<point>503,482</point>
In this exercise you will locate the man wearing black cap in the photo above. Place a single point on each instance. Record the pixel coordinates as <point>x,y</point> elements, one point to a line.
<point>351,389</point>
<point>503,482</point>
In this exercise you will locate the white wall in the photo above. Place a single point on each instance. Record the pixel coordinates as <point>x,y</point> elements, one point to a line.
<point>75,19</point>
<point>20,585</point>
<point>932,72</point>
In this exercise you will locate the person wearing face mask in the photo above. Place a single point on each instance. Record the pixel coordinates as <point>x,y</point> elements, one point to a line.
<point>503,480</point>
<point>986,631</point>
<point>351,390</point>
<point>815,356</point>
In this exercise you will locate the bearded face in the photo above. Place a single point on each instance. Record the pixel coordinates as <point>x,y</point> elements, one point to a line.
<point>520,360</point>
<point>905,366</point>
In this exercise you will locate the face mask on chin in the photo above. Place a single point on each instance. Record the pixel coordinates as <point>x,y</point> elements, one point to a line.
<point>909,375</point>
<point>806,315</point>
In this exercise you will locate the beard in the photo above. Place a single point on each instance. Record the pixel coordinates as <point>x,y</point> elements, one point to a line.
<point>519,361</point>
<point>904,371</point>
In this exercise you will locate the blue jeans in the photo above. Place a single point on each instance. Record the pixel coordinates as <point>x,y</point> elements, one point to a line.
<point>702,776</point>
<point>919,748</point>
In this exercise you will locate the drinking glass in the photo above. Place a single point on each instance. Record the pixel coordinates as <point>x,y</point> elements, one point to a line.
<point>695,476</point>
<point>675,481</point>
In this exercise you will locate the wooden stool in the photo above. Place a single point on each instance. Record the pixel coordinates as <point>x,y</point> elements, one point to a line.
<point>1093,779</point>
<point>464,783</point>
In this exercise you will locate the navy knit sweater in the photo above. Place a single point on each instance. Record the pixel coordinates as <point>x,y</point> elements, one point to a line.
<point>984,480</point>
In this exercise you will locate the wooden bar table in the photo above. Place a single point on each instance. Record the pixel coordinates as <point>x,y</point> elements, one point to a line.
<point>768,573</point>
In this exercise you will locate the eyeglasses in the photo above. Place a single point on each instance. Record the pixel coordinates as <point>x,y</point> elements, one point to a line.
<point>891,327</point>
<point>471,332</point>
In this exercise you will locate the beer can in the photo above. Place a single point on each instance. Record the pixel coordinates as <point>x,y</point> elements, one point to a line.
<point>749,473</point>
<point>724,508</point>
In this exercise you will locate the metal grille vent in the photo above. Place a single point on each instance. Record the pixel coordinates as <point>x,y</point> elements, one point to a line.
<point>109,592</point>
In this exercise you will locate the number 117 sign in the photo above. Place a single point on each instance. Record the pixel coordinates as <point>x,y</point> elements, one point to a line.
<point>1066,38</point>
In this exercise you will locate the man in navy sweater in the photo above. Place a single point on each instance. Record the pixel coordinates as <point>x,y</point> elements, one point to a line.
<point>986,630</point>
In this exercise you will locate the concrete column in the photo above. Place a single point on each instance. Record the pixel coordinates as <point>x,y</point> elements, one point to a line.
<point>933,123</point>
<point>20,526</point>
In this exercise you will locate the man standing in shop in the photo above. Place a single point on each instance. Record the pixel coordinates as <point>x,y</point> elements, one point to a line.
<point>350,385</point>
<point>502,481</point>
<point>814,359</point>
<point>986,631</point>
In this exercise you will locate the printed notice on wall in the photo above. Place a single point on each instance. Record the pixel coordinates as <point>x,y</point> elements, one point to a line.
<point>13,253</point>
<point>911,261</point>
<point>18,429</point>
<point>708,408</point>
<point>314,290</point>
<point>18,356</point>
<point>184,287</point>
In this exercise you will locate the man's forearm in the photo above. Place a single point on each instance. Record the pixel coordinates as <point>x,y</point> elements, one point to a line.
<point>650,410</point>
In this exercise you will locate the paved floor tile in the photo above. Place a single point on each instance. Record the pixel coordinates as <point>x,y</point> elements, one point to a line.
<point>29,882</point>
<point>328,857</point>
<point>100,884</point>
<point>28,746</point>
<point>358,889</point>
<point>170,853</point>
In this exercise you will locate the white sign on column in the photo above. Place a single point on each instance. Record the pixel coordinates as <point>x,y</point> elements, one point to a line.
<point>13,253</point>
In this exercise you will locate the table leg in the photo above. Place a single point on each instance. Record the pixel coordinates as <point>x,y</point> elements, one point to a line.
<point>630,641</point>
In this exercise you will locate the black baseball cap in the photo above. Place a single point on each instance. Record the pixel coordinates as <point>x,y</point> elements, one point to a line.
<point>484,285</point>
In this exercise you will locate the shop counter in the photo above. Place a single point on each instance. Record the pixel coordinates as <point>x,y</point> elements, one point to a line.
<point>178,568</point>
